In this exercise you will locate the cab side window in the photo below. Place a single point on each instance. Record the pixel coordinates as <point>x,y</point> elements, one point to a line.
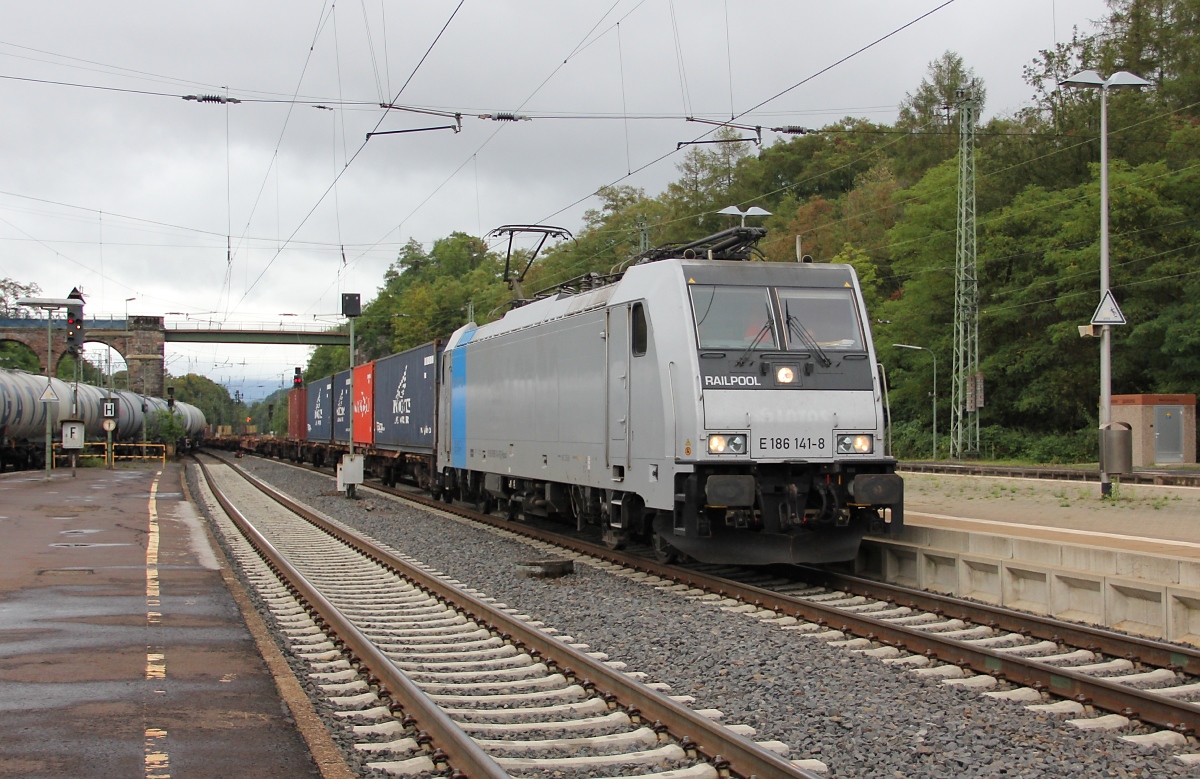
<point>640,332</point>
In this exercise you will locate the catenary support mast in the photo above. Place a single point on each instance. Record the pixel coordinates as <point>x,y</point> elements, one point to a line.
<point>966,385</point>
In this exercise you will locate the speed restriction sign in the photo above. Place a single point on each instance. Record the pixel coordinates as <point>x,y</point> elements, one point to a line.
<point>110,425</point>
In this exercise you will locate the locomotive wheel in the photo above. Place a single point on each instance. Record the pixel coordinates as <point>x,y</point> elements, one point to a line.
<point>512,510</point>
<point>664,552</point>
<point>485,504</point>
<point>614,538</point>
<point>447,496</point>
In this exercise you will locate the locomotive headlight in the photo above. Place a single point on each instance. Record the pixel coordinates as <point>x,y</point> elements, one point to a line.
<point>785,374</point>
<point>727,444</point>
<point>855,444</point>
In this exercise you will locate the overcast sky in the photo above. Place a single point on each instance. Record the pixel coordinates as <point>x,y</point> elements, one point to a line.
<point>111,182</point>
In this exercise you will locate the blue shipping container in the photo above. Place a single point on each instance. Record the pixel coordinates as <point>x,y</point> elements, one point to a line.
<point>342,407</point>
<point>320,410</point>
<point>406,399</point>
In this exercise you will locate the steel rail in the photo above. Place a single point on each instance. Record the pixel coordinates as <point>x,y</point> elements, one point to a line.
<point>455,747</point>
<point>1105,694</point>
<point>697,734</point>
<point>1109,695</point>
<point>1135,648</point>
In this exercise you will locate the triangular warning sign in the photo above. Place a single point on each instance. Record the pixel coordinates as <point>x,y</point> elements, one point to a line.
<point>48,395</point>
<point>1108,312</point>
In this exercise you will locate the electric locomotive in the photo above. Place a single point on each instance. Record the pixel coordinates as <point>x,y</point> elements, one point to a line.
<point>719,407</point>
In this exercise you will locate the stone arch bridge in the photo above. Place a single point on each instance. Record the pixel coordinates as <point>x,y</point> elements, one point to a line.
<point>140,341</point>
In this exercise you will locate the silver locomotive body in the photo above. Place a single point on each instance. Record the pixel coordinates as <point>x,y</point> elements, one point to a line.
<point>728,410</point>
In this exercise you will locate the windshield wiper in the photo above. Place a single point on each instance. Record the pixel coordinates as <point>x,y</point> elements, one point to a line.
<point>766,328</point>
<point>797,329</point>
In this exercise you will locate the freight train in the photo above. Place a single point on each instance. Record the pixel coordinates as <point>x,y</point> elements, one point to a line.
<point>717,407</point>
<point>23,415</point>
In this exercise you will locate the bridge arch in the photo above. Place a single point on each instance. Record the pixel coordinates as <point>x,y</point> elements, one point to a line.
<point>139,340</point>
<point>16,354</point>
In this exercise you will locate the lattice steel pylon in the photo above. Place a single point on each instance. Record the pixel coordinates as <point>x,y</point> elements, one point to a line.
<point>966,385</point>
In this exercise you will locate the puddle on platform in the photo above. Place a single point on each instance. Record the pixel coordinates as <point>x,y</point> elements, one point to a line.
<point>77,544</point>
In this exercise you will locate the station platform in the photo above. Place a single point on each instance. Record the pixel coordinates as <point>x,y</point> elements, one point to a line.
<point>1145,518</point>
<point>122,650</point>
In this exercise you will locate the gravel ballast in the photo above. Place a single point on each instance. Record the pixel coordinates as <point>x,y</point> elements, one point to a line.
<point>862,718</point>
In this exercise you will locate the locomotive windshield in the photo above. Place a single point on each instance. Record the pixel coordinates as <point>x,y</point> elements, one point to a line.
<point>826,317</point>
<point>808,319</point>
<point>733,317</point>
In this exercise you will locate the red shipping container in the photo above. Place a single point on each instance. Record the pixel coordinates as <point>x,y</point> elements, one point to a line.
<point>297,414</point>
<point>364,405</point>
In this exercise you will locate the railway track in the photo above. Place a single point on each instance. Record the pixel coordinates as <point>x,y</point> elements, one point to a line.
<point>1049,665</point>
<point>432,676</point>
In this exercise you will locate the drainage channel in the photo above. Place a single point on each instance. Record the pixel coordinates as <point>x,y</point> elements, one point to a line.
<point>433,677</point>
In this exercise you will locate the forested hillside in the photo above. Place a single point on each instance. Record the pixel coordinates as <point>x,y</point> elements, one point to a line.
<point>883,197</point>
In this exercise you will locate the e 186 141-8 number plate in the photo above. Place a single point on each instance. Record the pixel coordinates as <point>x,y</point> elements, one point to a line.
<point>789,446</point>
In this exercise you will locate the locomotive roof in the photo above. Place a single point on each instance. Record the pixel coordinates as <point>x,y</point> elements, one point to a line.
<point>566,304</point>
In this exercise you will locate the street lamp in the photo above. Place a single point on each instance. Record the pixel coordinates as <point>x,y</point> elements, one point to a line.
<point>127,302</point>
<point>48,305</point>
<point>934,356</point>
<point>1090,79</point>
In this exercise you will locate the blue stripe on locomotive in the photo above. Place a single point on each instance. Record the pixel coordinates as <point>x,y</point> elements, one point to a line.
<point>458,401</point>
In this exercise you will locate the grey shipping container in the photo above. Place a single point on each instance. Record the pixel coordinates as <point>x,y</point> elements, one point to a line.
<point>342,406</point>
<point>406,399</point>
<point>320,410</point>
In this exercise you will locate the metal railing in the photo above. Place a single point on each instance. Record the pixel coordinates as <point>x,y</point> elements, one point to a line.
<point>98,450</point>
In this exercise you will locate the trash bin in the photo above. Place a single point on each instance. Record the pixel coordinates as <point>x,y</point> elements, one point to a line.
<point>1116,448</point>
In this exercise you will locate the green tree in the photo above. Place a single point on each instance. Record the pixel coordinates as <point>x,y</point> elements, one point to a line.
<point>206,395</point>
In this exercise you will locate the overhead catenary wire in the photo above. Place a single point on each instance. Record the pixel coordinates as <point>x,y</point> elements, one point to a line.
<point>584,42</point>
<point>762,103</point>
<point>350,161</point>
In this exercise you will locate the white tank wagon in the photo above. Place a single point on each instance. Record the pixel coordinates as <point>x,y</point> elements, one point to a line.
<point>22,411</point>
<point>727,409</point>
<point>23,414</point>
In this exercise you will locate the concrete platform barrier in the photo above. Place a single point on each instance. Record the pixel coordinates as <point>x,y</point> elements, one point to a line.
<point>1157,596</point>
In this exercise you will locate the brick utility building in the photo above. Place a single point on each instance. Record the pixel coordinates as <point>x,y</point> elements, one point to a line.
<point>1164,427</point>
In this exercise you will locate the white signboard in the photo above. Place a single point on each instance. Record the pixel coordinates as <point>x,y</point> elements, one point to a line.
<point>1108,312</point>
<point>72,434</point>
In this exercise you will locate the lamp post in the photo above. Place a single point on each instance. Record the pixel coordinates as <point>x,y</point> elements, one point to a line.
<point>934,356</point>
<point>1090,79</point>
<point>127,302</point>
<point>48,305</point>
